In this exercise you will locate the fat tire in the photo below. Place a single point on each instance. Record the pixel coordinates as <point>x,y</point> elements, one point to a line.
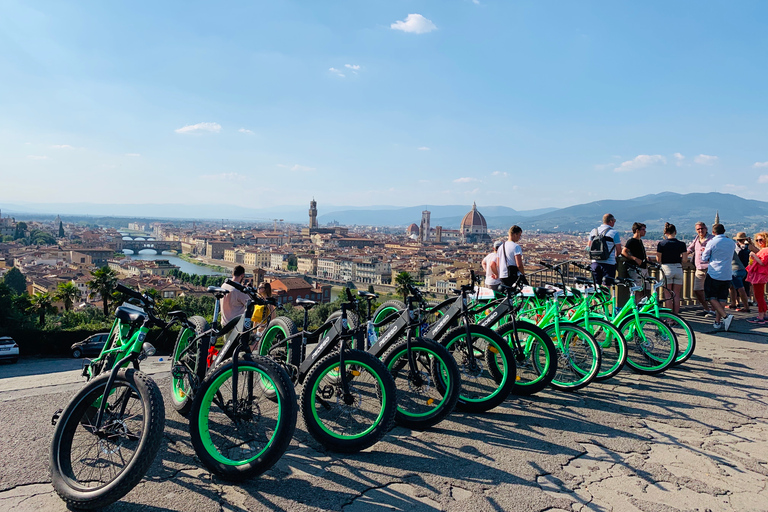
<point>75,419</point>
<point>541,362</point>
<point>384,411</point>
<point>495,351</point>
<point>197,359</point>
<point>438,367</point>
<point>383,311</point>
<point>279,329</point>
<point>280,396</point>
<point>593,355</point>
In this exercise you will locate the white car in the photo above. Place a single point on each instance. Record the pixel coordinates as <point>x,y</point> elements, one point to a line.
<point>9,350</point>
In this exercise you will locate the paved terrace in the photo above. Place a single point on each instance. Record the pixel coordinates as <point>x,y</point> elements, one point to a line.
<point>694,438</point>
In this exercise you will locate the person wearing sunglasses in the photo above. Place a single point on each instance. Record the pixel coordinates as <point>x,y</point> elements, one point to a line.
<point>757,274</point>
<point>696,248</point>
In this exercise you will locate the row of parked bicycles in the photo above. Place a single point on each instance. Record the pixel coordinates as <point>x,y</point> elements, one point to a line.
<point>359,373</point>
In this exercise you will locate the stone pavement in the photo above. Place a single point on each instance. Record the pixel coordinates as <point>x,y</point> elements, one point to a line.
<point>694,438</point>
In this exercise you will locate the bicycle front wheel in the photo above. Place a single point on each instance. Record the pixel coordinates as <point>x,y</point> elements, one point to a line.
<point>422,399</point>
<point>189,364</point>
<point>651,345</point>
<point>612,345</point>
<point>92,468</point>
<point>535,357</point>
<point>578,356</point>
<point>243,436</point>
<point>487,369</point>
<point>354,420</point>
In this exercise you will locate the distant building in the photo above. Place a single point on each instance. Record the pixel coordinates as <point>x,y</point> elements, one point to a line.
<point>313,214</point>
<point>473,228</point>
<point>424,227</point>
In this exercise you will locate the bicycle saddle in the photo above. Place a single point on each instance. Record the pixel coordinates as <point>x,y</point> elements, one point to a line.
<point>305,303</point>
<point>130,315</point>
<point>217,292</point>
<point>366,295</point>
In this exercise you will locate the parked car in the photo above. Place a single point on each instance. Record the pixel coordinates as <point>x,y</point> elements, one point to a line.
<point>90,346</point>
<point>9,349</point>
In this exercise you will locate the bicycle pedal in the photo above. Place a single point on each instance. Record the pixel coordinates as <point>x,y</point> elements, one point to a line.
<point>56,416</point>
<point>178,371</point>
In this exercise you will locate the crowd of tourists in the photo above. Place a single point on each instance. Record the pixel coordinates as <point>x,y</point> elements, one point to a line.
<point>729,271</point>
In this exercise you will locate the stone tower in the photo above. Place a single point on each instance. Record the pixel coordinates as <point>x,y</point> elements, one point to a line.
<point>312,214</point>
<point>424,227</point>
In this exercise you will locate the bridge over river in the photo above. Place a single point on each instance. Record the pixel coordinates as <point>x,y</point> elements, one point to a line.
<point>139,245</point>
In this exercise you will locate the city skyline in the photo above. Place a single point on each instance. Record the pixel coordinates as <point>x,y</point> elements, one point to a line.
<point>526,105</point>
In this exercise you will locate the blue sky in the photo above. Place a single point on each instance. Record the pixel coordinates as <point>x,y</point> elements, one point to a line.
<point>525,104</point>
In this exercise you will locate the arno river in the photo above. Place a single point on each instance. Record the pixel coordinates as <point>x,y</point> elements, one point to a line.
<point>184,266</point>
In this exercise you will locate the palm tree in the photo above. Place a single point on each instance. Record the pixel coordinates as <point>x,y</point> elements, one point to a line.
<point>403,280</point>
<point>67,293</point>
<point>103,283</point>
<point>42,304</point>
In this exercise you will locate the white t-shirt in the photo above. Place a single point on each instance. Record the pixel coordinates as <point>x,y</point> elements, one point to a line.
<point>511,249</point>
<point>487,264</point>
<point>232,304</point>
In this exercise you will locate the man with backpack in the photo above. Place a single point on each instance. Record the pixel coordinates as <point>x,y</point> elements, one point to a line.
<point>604,246</point>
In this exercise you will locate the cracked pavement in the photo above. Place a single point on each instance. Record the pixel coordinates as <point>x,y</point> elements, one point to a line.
<point>692,439</point>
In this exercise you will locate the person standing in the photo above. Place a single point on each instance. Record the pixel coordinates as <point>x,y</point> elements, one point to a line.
<point>757,274</point>
<point>672,253</point>
<point>606,267</point>
<point>717,284</point>
<point>696,248</point>
<point>634,253</point>
<point>233,304</point>
<point>492,280</point>
<point>739,268</point>
<point>509,258</point>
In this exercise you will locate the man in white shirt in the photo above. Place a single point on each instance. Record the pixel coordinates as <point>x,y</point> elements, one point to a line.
<point>509,258</point>
<point>233,304</point>
<point>492,280</point>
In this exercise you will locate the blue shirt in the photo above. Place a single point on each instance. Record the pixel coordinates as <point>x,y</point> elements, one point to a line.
<point>719,253</point>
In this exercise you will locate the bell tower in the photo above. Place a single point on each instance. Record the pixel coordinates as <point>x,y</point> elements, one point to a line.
<point>313,214</point>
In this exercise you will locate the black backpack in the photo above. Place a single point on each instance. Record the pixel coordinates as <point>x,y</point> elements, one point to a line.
<point>598,247</point>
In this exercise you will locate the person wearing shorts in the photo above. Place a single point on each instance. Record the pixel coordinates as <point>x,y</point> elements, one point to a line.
<point>696,248</point>
<point>717,285</point>
<point>739,269</point>
<point>672,253</point>
<point>606,268</point>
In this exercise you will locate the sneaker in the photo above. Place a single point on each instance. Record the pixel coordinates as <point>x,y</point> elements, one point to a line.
<point>717,325</point>
<point>755,320</point>
<point>709,314</point>
<point>727,322</point>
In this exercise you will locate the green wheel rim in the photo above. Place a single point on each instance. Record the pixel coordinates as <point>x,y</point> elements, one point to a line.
<point>446,378</point>
<point>265,346</point>
<point>180,391</point>
<point>568,336</point>
<point>492,345</point>
<point>683,326</point>
<point>610,343</point>
<point>532,348</point>
<point>205,407</point>
<point>332,372</point>
<point>645,344</point>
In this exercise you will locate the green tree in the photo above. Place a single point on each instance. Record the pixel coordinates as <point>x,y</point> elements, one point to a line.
<point>67,293</point>
<point>103,283</point>
<point>42,304</point>
<point>403,280</point>
<point>61,229</point>
<point>15,280</point>
<point>370,289</point>
<point>21,230</point>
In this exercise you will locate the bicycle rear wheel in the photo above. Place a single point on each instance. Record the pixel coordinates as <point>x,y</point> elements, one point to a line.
<point>578,356</point>
<point>189,364</point>
<point>535,357</point>
<point>421,401</point>
<point>612,345</point>
<point>685,335</point>
<point>482,389</point>
<point>241,439</point>
<point>90,469</point>
<point>356,421</point>
<point>651,345</point>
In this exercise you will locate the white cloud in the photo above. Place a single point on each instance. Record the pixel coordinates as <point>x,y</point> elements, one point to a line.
<point>336,71</point>
<point>639,162</point>
<point>763,178</point>
<point>296,167</point>
<point>705,159</point>
<point>465,180</point>
<point>760,164</point>
<point>353,67</point>
<point>36,157</point>
<point>200,127</point>
<point>61,146</point>
<point>133,154</point>
<point>245,130</point>
<point>423,148</point>
<point>499,173</point>
<point>224,176</point>
<point>476,2</point>
<point>679,158</point>
<point>415,24</point>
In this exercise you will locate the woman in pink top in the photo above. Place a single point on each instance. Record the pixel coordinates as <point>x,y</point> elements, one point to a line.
<point>757,274</point>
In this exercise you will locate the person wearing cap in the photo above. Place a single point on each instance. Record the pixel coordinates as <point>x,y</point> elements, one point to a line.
<point>492,280</point>
<point>739,264</point>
